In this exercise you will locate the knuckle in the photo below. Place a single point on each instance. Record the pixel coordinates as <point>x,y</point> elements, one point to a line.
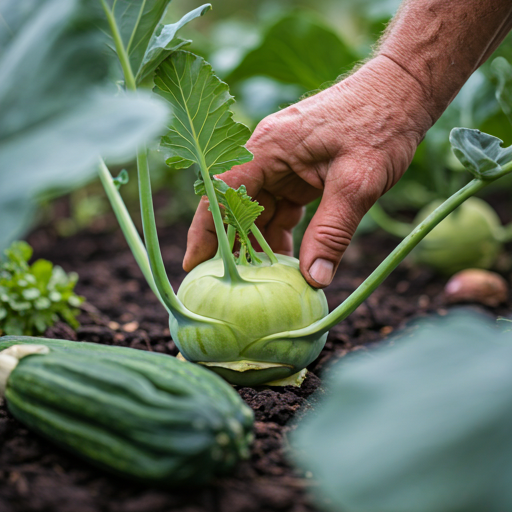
<point>335,238</point>
<point>265,127</point>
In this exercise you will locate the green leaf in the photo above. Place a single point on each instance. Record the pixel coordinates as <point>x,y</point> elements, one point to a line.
<point>502,70</point>
<point>122,179</point>
<point>57,114</point>
<point>19,253</point>
<point>420,425</point>
<point>240,211</point>
<point>136,21</point>
<point>202,129</point>
<point>480,153</point>
<point>298,49</point>
<point>164,41</point>
<point>42,271</point>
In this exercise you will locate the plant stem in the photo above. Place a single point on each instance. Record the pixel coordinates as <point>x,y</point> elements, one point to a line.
<point>231,237</point>
<point>387,223</point>
<point>127,226</point>
<point>230,270</point>
<point>129,79</point>
<point>263,244</point>
<point>151,238</point>
<point>391,262</point>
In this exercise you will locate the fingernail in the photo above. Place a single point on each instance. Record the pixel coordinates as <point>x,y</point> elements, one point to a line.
<point>321,271</point>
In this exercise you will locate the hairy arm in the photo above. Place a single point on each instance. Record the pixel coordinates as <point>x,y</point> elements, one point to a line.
<point>352,142</point>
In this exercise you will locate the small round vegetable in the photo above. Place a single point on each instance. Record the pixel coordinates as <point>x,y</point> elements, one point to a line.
<point>465,239</point>
<point>271,299</point>
<point>477,285</point>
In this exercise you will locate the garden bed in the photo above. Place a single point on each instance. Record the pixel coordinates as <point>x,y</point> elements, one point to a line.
<point>121,310</point>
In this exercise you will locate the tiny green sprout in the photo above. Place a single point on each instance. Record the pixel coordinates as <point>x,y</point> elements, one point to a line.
<point>122,179</point>
<point>33,297</point>
<point>249,316</point>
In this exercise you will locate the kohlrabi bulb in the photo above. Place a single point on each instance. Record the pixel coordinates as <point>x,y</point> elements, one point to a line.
<point>272,299</point>
<point>465,239</point>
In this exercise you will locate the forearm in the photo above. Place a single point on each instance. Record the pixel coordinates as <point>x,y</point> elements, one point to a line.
<point>440,43</point>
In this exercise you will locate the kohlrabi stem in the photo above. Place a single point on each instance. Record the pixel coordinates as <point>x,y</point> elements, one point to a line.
<point>231,236</point>
<point>391,262</point>
<point>387,223</point>
<point>129,79</point>
<point>151,238</point>
<point>230,270</point>
<point>263,244</point>
<point>129,230</point>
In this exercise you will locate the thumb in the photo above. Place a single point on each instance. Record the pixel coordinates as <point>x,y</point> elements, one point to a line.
<point>330,231</point>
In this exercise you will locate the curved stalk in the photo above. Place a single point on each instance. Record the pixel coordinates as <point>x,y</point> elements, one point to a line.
<point>230,271</point>
<point>128,228</point>
<point>151,237</point>
<point>263,244</point>
<point>387,223</point>
<point>390,263</point>
<point>129,79</point>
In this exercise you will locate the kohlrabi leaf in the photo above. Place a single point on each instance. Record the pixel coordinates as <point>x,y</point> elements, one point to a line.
<point>239,211</point>
<point>164,41</point>
<point>136,21</point>
<point>297,49</point>
<point>479,153</point>
<point>502,70</point>
<point>57,116</point>
<point>201,129</point>
<point>420,425</point>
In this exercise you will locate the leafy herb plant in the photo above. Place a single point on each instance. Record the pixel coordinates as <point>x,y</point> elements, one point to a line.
<point>250,317</point>
<point>33,297</point>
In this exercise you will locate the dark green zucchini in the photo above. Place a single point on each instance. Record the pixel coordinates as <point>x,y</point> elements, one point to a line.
<point>138,414</point>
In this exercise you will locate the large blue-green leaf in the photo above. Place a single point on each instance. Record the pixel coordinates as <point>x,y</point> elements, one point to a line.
<point>480,153</point>
<point>421,425</point>
<point>297,49</point>
<point>164,41</point>
<point>57,116</point>
<point>201,129</point>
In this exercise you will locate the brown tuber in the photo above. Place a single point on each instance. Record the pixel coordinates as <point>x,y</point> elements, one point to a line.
<point>477,285</point>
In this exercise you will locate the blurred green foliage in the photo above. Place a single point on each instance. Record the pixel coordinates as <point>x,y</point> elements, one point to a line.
<point>33,297</point>
<point>419,425</point>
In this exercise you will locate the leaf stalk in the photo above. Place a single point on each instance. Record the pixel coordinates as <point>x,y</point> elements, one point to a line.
<point>392,261</point>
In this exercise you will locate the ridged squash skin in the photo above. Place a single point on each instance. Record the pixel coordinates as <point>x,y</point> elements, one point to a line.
<point>274,298</point>
<point>138,414</point>
<point>465,239</point>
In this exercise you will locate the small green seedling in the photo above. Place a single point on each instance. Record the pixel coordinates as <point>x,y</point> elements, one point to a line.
<point>33,297</point>
<point>251,317</point>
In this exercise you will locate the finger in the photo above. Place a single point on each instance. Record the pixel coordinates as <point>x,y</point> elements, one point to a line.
<point>343,205</point>
<point>201,238</point>
<point>278,232</point>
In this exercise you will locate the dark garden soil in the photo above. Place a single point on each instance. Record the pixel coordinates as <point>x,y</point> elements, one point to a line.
<point>121,310</point>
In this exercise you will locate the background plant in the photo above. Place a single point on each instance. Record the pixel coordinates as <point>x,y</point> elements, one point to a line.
<point>33,297</point>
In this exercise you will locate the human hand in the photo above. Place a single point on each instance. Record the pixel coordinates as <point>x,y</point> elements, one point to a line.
<point>348,144</point>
